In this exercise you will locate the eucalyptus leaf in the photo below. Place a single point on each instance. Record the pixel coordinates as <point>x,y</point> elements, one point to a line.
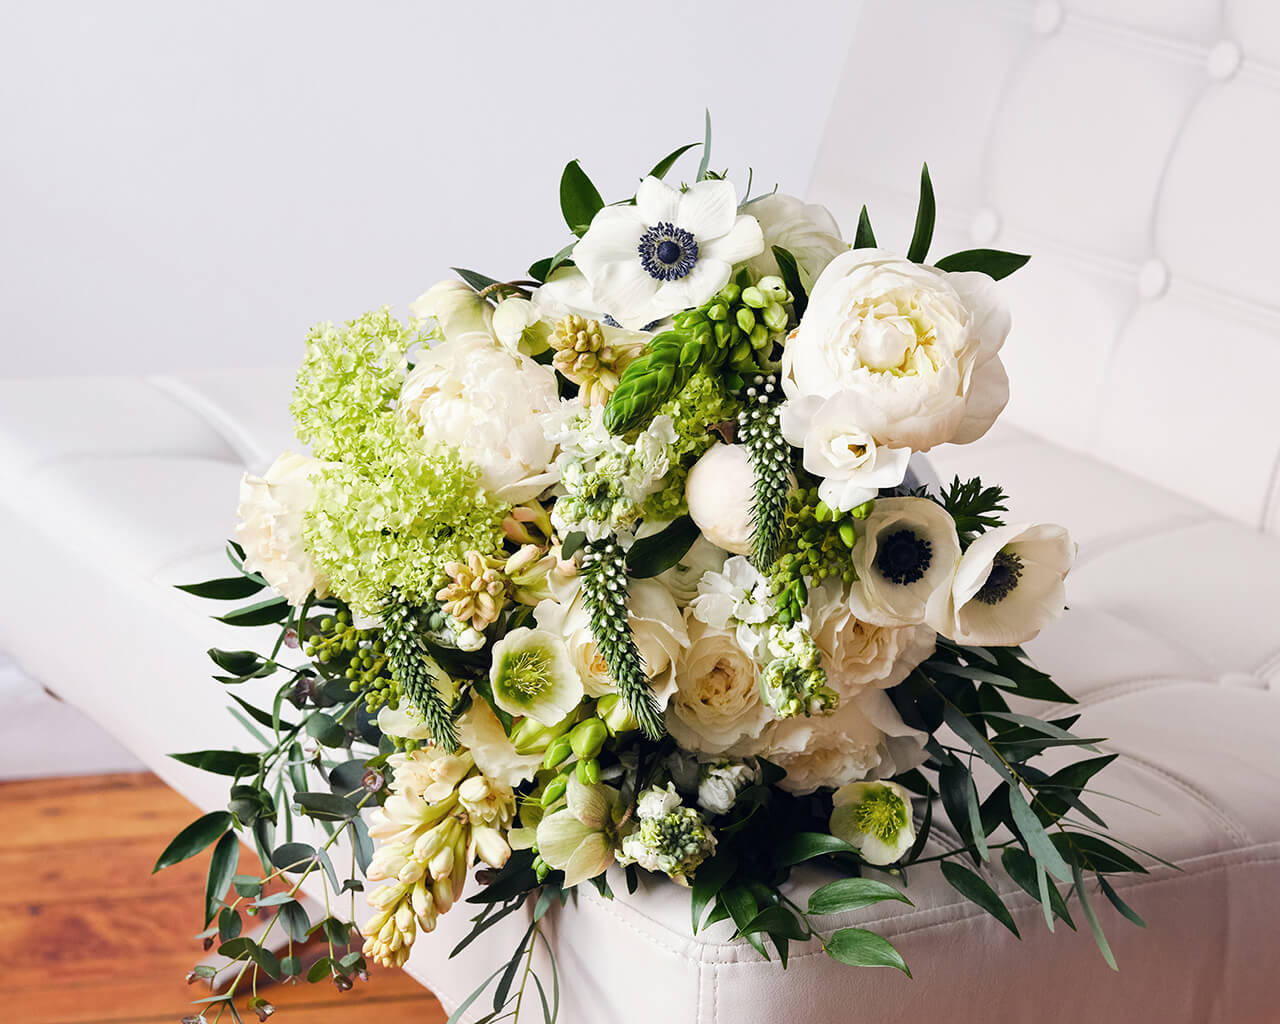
<point>326,730</point>
<point>326,806</point>
<point>293,857</point>
<point>195,837</point>
<point>976,889</point>
<point>1120,904</point>
<point>861,948</point>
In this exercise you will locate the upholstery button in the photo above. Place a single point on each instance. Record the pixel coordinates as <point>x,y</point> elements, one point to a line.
<point>1153,279</point>
<point>985,225</point>
<point>1046,18</point>
<point>1223,60</point>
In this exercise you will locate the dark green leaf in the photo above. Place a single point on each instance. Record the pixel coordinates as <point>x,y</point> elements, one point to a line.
<point>572,544</point>
<point>791,278</point>
<point>861,948</point>
<point>260,716</point>
<point>742,908</point>
<point>579,200</point>
<point>960,800</point>
<point>992,262</point>
<point>1095,854</point>
<point>229,588</point>
<point>244,664</point>
<point>708,880</point>
<point>247,886</point>
<point>658,552</point>
<point>293,857</point>
<point>1120,904</point>
<point>864,237</point>
<point>477,281</point>
<point>326,730</point>
<point>661,168</point>
<point>273,609</point>
<point>222,867</point>
<point>803,846</point>
<point>194,838</point>
<point>541,269</point>
<point>508,975</point>
<point>922,836</point>
<point>326,806</point>
<point>563,258</point>
<point>852,894</point>
<point>221,762</point>
<point>705,162</point>
<point>276,899</point>
<point>1104,947</point>
<point>925,214</point>
<point>975,889</point>
<point>776,921</point>
<point>320,970</point>
<point>229,924</point>
<point>294,920</point>
<point>1023,869</point>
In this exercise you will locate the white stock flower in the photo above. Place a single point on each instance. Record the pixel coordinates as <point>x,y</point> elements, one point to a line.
<point>672,250</point>
<point>720,782</point>
<point>736,597</point>
<point>717,700</point>
<point>720,491</point>
<point>270,527</point>
<point>654,802</point>
<point>1008,585</point>
<point>476,396</point>
<point>856,654</point>
<point>853,467</point>
<point>682,579</point>
<point>533,675</point>
<point>456,308</point>
<point>519,328</point>
<point>806,230</point>
<point>875,818</point>
<point>905,559</point>
<point>917,347</point>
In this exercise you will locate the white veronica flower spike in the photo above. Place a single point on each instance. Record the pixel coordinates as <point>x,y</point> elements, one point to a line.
<point>672,250</point>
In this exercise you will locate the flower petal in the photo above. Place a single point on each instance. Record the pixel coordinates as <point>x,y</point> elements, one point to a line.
<point>627,293</point>
<point>708,209</point>
<point>657,201</point>
<point>559,836</point>
<point>742,241</point>
<point>614,235</point>
<point>592,857</point>
<point>589,804</point>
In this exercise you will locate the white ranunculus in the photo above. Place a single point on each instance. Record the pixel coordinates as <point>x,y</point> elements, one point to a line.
<point>857,654</point>
<point>487,402</point>
<point>720,491</point>
<point>905,559</point>
<point>875,818</point>
<point>720,782</point>
<point>519,328</point>
<point>1008,585</point>
<point>717,700</point>
<point>656,626</point>
<point>670,251</point>
<point>806,230</point>
<point>852,465</point>
<point>917,346</point>
<point>270,527</point>
<point>864,738</point>
<point>456,308</point>
<point>682,579</point>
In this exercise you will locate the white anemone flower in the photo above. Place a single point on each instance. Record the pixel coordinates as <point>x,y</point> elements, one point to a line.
<point>875,818</point>
<point>905,560</point>
<point>1008,585</point>
<point>672,250</point>
<point>533,675</point>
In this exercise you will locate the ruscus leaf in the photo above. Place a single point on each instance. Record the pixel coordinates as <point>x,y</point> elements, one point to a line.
<point>861,948</point>
<point>194,838</point>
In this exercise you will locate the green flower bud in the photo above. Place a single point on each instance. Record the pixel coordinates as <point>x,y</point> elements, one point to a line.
<point>723,334</point>
<point>554,790</point>
<point>616,714</point>
<point>775,317</point>
<point>863,510</point>
<point>730,293</point>
<point>753,297</point>
<point>759,336</point>
<point>847,534</point>
<point>558,752</point>
<point>588,771</point>
<point>587,738</point>
<point>718,311</point>
<point>746,319</point>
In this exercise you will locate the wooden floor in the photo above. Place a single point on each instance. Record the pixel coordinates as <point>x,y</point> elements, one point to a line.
<point>88,934</point>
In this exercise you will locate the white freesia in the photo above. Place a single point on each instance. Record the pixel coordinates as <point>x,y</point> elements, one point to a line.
<point>672,250</point>
<point>1008,585</point>
<point>657,627</point>
<point>717,700</point>
<point>519,328</point>
<point>857,654</point>
<point>914,348</point>
<point>720,491</point>
<point>486,402</point>
<point>864,738</point>
<point>720,782</point>
<point>852,465</point>
<point>683,578</point>
<point>736,597</point>
<point>874,818</point>
<point>270,527</point>
<point>456,309</point>
<point>905,559</point>
<point>806,230</point>
<point>480,732</point>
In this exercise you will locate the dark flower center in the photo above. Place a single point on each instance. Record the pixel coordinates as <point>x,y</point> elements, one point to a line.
<point>903,557</point>
<point>667,252</point>
<point>1006,570</point>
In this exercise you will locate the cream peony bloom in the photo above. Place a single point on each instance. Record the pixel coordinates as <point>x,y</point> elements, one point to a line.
<point>656,626</point>
<point>909,352</point>
<point>857,654</point>
<point>456,308</point>
<point>717,700</point>
<point>485,401</point>
<point>1008,585</point>
<point>270,527</point>
<point>720,490</point>
<point>905,559</point>
<point>806,230</point>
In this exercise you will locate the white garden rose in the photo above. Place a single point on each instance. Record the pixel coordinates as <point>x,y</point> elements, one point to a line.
<point>857,654</point>
<point>1008,585</point>
<point>717,700</point>
<point>720,491</point>
<point>476,396</point>
<point>455,307</point>
<point>806,230</point>
<point>682,579</point>
<point>864,738</point>
<point>657,627</point>
<point>910,351</point>
<point>905,558</point>
<point>270,528</point>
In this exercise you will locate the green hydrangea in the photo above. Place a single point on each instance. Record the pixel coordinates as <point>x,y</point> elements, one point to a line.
<point>700,404</point>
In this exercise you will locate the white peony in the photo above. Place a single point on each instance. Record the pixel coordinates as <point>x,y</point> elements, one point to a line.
<point>656,626</point>
<point>806,230</point>
<point>270,528</point>
<point>682,579</point>
<point>853,467</point>
<point>487,402</point>
<point>857,654</point>
<point>864,738</point>
<point>717,700</point>
<point>455,307</point>
<point>905,558</point>
<point>720,491</point>
<point>910,352</point>
<point>1008,585</point>
<point>671,250</point>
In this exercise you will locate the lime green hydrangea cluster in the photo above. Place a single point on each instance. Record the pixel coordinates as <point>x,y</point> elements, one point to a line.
<point>699,405</point>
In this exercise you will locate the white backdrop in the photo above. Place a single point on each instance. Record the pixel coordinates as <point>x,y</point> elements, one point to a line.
<point>191,185</point>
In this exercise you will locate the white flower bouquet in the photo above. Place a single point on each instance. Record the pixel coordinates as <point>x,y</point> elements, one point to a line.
<point>618,569</point>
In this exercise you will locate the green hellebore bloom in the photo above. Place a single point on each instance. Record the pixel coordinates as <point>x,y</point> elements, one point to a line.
<point>875,818</point>
<point>533,676</point>
<point>580,839</point>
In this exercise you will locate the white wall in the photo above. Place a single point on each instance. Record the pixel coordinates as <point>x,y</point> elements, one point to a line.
<point>190,185</point>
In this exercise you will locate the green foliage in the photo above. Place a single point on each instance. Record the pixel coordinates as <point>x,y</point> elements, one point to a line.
<point>864,237</point>
<point>579,199</point>
<point>925,216</point>
<point>973,507</point>
<point>649,556</point>
<point>995,263</point>
<point>197,836</point>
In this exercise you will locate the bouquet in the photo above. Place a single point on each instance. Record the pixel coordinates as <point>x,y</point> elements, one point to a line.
<point>624,565</point>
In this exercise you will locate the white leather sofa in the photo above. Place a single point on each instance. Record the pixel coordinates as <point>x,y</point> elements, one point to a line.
<point>1133,148</point>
